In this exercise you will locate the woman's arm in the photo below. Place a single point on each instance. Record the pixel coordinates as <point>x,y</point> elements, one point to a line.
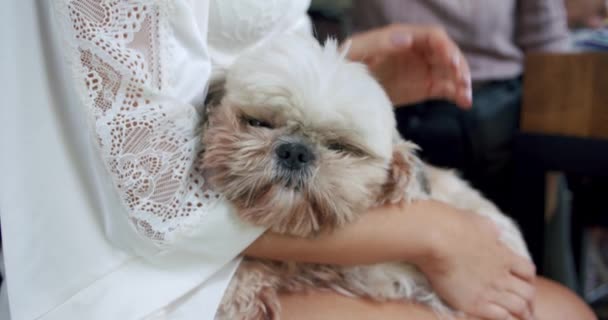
<point>381,235</point>
<point>136,90</point>
<point>459,252</point>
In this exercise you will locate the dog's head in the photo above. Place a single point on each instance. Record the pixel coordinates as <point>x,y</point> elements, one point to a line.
<point>302,139</point>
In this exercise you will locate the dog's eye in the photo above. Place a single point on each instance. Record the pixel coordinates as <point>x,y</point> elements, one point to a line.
<point>345,148</point>
<point>258,123</point>
<point>337,147</point>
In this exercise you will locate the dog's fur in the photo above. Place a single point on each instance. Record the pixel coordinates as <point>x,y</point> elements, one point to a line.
<point>294,90</point>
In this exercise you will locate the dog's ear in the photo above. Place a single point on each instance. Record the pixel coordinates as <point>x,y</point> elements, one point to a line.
<point>399,172</point>
<point>215,92</point>
<point>406,176</point>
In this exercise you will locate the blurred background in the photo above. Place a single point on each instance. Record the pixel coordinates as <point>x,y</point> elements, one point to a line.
<point>536,140</point>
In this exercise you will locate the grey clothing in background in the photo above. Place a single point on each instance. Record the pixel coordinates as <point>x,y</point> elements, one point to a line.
<point>494,34</point>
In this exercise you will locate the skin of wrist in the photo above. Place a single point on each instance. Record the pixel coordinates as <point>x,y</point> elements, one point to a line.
<point>425,219</point>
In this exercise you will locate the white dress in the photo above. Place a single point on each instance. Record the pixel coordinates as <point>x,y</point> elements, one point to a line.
<point>103,213</point>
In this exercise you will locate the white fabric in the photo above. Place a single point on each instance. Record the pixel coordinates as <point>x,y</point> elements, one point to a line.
<point>103,213</point>
<point>4,308</point>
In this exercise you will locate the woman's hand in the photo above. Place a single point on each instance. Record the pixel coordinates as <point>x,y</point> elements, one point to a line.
<point>414,63</point>
<point>475,272</point>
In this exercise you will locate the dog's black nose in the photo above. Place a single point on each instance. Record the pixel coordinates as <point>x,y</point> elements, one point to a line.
<point>294,155</point>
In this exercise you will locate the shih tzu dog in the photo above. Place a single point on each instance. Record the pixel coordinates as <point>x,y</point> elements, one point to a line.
<point>301,141</point>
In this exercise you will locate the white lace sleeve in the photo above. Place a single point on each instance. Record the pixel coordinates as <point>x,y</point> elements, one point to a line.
<point>138,65</point>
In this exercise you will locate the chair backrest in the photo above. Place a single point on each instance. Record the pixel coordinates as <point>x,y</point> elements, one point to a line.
<point>566,94</point>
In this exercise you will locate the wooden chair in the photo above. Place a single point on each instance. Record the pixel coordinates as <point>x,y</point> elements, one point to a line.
<point>566,94</point>
<point>564,128</point>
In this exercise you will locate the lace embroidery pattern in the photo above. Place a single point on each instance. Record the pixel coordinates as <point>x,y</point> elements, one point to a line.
<point>149,142</point>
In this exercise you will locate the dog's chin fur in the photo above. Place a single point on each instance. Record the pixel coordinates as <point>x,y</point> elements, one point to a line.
<point>311,95</point>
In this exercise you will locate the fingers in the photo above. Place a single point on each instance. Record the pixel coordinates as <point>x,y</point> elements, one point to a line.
<point>496,312</point>
<point>448,65</point>
<point>516,305</point>
<point>524,269</point>
<point>383,41</point>
<point>516,294</point>
<point>465,93</point>
<point>521,288</point>
<point>491,311</point>
<point>450,73</point>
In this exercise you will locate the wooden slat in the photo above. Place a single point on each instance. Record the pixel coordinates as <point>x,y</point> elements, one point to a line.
<point>566,94</point>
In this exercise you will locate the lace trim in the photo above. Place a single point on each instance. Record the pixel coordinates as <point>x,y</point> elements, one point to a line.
<point>148,142</point>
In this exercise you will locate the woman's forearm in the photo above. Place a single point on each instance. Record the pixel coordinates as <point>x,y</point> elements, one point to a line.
<point>384,234</point>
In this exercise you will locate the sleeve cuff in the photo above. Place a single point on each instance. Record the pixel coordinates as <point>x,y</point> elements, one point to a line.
<point>220,235</point>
